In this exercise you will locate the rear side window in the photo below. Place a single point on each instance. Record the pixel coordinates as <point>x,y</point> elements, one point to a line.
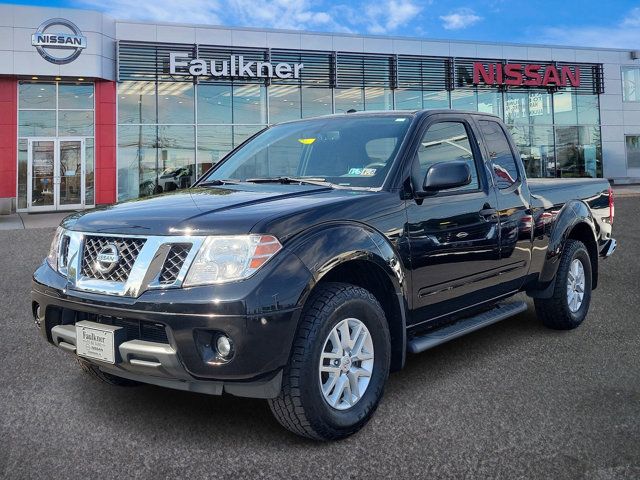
<point>446,142</point>
<point>505,170</point>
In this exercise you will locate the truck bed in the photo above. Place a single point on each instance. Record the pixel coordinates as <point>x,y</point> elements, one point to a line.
<point>557,191</point>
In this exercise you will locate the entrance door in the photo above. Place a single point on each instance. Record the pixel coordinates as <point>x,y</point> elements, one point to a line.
<point>56,174</point>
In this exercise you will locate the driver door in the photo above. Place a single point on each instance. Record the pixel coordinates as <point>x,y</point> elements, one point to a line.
<point>453,234</point>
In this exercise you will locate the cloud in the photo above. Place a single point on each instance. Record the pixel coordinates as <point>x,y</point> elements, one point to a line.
<point>383,16</point>
<point>459,19</point>
<point>623,34</point>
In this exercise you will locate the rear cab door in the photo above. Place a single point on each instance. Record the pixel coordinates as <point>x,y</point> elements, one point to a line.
<point>513,202</point>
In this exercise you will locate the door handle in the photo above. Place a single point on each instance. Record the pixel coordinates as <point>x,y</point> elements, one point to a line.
<point>487,212</point>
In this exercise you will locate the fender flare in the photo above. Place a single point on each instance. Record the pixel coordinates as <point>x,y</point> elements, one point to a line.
<point>327,246</point>
<point>572,214</point>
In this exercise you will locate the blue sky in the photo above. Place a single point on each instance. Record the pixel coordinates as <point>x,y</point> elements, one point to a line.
<point>603,23</point>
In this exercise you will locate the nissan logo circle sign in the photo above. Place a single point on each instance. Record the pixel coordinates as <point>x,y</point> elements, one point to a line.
<point>59,47</point>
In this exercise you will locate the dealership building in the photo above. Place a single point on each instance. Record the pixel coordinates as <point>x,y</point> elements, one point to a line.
<point>95,110</point>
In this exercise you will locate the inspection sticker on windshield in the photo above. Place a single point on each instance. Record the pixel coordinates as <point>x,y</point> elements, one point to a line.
<point>362,172</point>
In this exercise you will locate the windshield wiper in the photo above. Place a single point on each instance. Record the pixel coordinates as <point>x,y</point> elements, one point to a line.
<point>217,183</point>
<point>289,180</point>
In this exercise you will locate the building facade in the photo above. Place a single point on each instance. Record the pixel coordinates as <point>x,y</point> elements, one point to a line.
<point>96,110</point>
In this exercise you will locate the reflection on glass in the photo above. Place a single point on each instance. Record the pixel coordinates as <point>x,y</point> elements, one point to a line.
<point>137,102</point>
<point>490,101</point>
<point>591,151</point>
<point>89,173</point>
<point>516,108</point>
<point>436,100</point>
<point>75,96</point>
<point>464,100</point>
<point>214,104</point>
<point>408,99</point>
<point>70,172</point>
<point>284,103</point>
<point>137,160</point>
<point>349,99</point>
<point>176,157</point>
<point>176,103</point>
<point>316,101</point>
<point>37,95</point>
<point>543,151</point>
<point>249,104</point>
<point>241,133</point>
<point>42,169</point>
<point>214,142</point>
<point>378,98</point>
<point>588,109</point>
<point>540,110</point>
<point>37,123</point>
<point>564,108</point>
<point>74,123</point>
<point>631,84</point>
<point>632,144</point>
<point>22,173</point>
<point>568,151</point>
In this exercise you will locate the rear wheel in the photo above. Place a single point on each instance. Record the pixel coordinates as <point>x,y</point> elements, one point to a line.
<point>569,304</point>
<point>98,374</point>
<point>339,364</point>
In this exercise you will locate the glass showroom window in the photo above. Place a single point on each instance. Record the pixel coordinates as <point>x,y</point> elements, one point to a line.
<point>137,102</point>
<point>540,109</point>
<point>490,101</point>
<point>316,101</point>
<point>516,108</point>
<point>631,84</point>
<point>378,98</point>
<point>285,103</point>
<point>214,142</point>
<point>249,104</point>
<point>176,157</point>
<point>408,99</point>
<point>176,103</point>
<point>349,99</point>
<point>632,144</point>
<point>56,110</point>
<point>137,160</point>
<point>214,104</point>
<point>464,99</point>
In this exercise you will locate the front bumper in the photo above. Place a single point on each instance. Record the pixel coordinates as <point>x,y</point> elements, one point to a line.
<point>260,315</point>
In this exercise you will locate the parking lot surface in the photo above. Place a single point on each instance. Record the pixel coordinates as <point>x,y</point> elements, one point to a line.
<point>514,400</point>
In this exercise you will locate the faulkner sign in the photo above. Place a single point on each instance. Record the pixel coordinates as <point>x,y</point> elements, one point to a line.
<point>532,75</point>
<point>234,66</point>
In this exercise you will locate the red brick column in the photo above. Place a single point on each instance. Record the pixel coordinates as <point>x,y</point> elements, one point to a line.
<point>8,136</point>
<point>105,147</point>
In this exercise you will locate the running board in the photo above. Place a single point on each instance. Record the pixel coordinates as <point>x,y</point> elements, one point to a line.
<point>467,325</point>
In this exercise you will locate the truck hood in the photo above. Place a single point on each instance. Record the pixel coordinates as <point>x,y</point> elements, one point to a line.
<point>227,210</point>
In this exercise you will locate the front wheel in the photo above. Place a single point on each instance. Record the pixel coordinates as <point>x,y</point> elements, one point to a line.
<point>339,364</point>
<point>569,304</point>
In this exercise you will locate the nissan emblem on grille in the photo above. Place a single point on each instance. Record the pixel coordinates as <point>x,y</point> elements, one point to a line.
<point>107,258</point>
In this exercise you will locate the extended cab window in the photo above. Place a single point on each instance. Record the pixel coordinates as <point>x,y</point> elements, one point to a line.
<point>446,142</point>
<point>505,170</point>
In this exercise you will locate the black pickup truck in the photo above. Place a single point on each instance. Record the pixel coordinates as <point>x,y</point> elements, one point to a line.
<point>304,266</point>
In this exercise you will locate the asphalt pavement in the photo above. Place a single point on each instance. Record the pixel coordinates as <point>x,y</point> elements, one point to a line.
<point>514,400</point>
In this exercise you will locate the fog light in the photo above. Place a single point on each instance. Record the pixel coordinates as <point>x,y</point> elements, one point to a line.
<point>224,347</point>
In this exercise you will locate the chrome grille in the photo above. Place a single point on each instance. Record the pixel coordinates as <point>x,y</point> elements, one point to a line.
<point>128,248</point>
<point>174,262</point>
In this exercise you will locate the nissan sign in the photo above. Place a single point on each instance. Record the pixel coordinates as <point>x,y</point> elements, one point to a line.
<point>235,66</point>
<point>59,47</point>
<point>531,75</point>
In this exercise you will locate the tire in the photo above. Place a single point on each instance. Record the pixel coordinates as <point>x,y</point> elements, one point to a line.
<point>98,374</point>
<point>301,406</point>
<point>556,312</point>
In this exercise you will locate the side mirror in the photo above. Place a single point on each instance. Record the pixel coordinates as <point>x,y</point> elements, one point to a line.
<point>445,175</point>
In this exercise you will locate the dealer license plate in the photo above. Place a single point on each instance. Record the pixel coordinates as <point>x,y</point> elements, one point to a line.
<point>95,343</point>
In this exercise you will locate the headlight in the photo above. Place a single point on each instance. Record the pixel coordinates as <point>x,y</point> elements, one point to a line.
<point>224,259</point>
<point>52,258</point>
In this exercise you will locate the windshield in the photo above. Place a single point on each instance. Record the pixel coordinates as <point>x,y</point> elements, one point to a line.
<point>350,151</point>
